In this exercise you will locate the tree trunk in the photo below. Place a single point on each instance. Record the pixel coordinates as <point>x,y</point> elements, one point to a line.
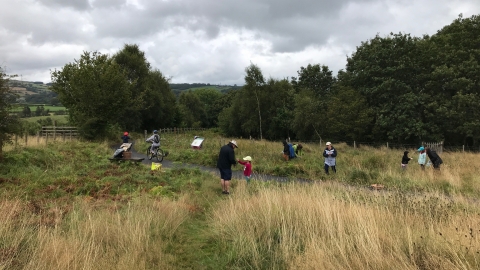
<point>259,114</point>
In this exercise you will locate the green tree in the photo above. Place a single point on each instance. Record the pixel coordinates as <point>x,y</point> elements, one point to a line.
<point>192,109</point>
<point>386,72</point>
<point>148,85</point>
<point>454,83</point>
<point>208,97</point>
<point>349,116</point>
<point>96,91</point>
<point>314,87</point>
<point>254,82</point>
<point>8,123</point>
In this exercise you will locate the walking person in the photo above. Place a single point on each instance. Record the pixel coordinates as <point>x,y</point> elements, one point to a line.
<point>247,170</point>
<point>226,158</point>
<point>422,157</point>
<point>434,158</point>
<point>330,154</point>
<point>405,160</point>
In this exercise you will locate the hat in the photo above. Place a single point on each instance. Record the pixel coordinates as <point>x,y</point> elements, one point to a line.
<point>234,143</point>
<point>247,158</point>
<point>421,148</point>
<point>125,133</point>
<point>328,143</point>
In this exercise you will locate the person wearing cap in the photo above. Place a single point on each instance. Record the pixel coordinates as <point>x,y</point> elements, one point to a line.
<point>247,170</point>
<point>422,157</point>
<point>330,154</point>
<point>125,137</point>
<point>226,158</point>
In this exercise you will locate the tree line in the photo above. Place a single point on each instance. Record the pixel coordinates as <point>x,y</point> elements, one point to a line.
<point>396,88</point>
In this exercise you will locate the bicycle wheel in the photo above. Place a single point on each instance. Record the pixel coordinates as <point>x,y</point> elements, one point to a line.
<point>159,154</point>
<point>149,154</point>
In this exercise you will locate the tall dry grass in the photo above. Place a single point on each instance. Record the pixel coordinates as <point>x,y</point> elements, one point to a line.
<point>36,141</point>
<point>89,235</point>
<point>328,226</point>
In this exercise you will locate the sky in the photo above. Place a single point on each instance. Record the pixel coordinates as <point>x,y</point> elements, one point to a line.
<point>210,41</point>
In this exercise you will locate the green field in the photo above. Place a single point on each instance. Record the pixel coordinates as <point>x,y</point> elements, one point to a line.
<point>58,118</point>
<point>19,108</point>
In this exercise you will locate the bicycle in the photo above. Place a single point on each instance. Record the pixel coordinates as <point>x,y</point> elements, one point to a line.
<point>158,153</point>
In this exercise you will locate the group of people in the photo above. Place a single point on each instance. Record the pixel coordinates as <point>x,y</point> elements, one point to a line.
<point>435,159</point>
<point>291,150</point>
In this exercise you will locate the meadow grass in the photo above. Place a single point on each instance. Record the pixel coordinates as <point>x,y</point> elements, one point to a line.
<point>58,118</point>
<point>19,108</point>
<point>361,166</point>
<point>65,206</point>
<point>330,226</point>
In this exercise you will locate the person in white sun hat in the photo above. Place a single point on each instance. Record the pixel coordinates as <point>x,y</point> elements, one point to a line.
<point>226,158</point>
<point>247,170</point>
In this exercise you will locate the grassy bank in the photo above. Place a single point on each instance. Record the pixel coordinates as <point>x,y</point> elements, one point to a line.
<point>65,206</point>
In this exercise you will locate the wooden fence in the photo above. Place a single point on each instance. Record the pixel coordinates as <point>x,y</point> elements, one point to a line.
<point>437,146</point>
<point>54,132</point>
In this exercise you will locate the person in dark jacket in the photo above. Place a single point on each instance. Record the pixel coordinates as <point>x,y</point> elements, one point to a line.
<point>226,158</point>
<point>330,154</point>
<point>125,137</point>
<point>405,160</point>
<point>434,158</point>
<point>286,151</point>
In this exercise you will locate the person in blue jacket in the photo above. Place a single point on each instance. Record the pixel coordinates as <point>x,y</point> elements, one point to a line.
<point>330,154</point>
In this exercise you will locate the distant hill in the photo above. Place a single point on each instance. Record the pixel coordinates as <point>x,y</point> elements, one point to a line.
<point>177,88</point>
<point>33,92</point>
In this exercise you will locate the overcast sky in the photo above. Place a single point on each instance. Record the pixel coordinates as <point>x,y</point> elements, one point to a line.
<point>210,41</point>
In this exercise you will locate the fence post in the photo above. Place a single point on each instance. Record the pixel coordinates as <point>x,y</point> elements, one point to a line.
<point>46,139</point>
<point>26,138</point>
<point>54,132</point>
<point>387,145</point>
<point>38,137</point>
<point>145,134</point>
<point>16,138</point>
<point>354,144</point>
<point>63,135</point>
<point>463,148</point>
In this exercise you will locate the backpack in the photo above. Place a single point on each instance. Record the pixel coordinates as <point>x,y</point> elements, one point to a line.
<point>156,138</point>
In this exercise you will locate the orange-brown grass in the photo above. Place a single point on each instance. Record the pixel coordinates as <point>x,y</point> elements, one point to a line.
<point>34,141</point>
<point>329,226</point>
<point>90,235</point>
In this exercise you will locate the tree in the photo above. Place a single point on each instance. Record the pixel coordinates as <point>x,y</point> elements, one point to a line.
<point>387,73</point>
<point>96,92</point>
<point>208,97</point>
<point>314,87</point>
<point>349,116</point>
<point>148,85</point>
<point>192,109</point>
<point>8,123</point>
<point>254,82</point>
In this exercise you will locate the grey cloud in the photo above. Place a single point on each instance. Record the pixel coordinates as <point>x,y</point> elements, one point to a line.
<point>75,4</point>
